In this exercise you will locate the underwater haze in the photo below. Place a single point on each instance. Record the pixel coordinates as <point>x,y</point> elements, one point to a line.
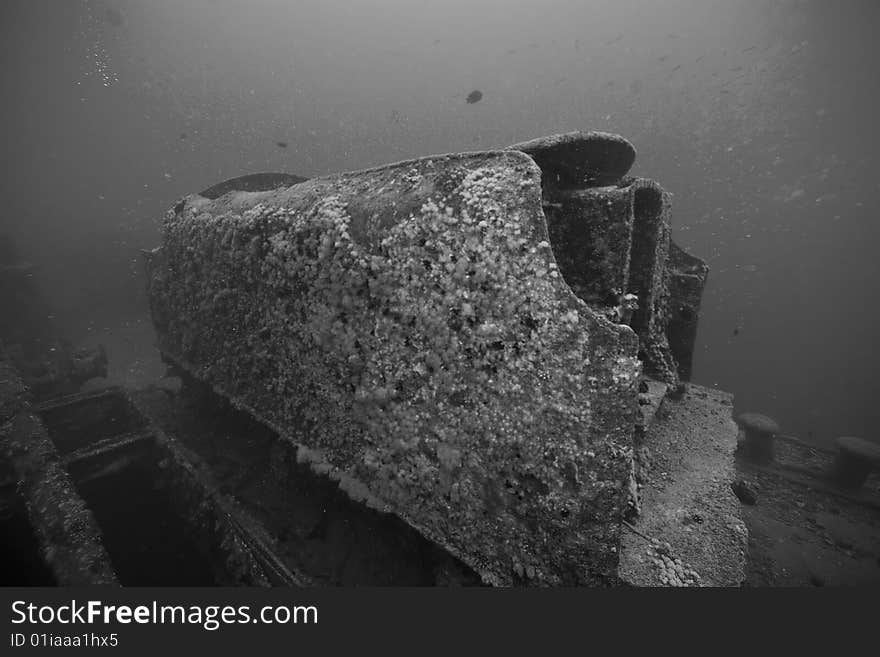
<point>759,116</point>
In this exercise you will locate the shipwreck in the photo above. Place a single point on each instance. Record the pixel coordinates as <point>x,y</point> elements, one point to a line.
<point>480,361</point>
<point>460,340</point>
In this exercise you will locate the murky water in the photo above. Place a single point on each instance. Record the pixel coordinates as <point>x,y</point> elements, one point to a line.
<point>757,115</point>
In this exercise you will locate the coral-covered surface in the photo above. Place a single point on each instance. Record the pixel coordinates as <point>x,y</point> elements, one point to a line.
<point>66,531</point>
<point>614,240</point>
<point>407,327</point>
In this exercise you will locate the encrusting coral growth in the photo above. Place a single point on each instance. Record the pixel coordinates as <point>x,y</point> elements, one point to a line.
<point>408,328</point>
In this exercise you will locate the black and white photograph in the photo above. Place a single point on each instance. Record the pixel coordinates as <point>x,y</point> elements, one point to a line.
<point>436,294</point>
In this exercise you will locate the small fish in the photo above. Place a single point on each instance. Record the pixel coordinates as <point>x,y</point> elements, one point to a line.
<point>183,136</point>
<point>614,40</point>
<point>748,49</point>
<point>675,69</point>
<point>474,97</point>
<point>736,331</point>
<point>281,144</point>
<point>662,58</point>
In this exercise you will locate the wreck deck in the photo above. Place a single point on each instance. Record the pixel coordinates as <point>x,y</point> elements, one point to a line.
<point>688,511</point>
<point>113,499</point>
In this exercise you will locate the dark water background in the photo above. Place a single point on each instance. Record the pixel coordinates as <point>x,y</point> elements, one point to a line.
<point>758,115</point>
